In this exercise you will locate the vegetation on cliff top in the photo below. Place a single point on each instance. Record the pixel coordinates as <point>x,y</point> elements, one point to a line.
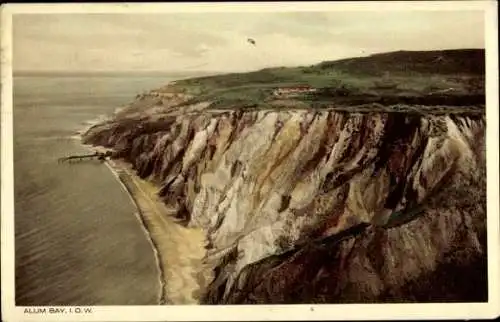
<point>364,207</point>
<point>428,78</point>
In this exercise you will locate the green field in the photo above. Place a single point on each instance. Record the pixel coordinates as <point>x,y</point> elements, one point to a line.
<point>449,78</point>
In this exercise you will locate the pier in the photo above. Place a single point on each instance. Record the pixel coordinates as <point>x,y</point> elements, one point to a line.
<point>101,156</point>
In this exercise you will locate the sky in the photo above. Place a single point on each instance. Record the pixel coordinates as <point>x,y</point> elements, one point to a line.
<point>218,41</point>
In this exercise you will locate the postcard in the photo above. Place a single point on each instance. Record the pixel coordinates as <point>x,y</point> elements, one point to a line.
<point>250,161</point>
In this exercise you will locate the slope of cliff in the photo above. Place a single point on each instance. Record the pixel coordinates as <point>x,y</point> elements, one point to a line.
<point>325,198</point>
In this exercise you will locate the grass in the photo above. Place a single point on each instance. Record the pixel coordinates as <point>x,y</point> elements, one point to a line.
<point>379,78</point>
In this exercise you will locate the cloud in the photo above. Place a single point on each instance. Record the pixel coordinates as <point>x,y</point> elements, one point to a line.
<point>217,41</point>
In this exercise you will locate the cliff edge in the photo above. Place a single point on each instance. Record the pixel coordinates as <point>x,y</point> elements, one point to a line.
<point>331,183</point>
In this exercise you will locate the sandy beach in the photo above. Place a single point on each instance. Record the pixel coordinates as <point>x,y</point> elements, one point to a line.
<point>179,250</point>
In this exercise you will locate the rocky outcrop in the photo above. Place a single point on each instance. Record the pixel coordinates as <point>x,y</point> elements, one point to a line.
<point>318,206</point>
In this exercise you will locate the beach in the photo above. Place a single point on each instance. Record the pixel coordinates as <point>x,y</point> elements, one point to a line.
<point>77,240</point>
<point>179,250</point>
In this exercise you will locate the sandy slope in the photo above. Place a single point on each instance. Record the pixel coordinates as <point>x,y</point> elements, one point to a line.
<point>180,249</point>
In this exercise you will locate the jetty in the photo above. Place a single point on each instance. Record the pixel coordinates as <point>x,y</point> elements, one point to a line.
<point>101,156</point>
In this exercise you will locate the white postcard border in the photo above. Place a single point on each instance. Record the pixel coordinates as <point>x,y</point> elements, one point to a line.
<point>254,312</point>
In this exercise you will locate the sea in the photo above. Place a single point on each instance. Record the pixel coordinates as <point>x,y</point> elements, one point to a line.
<point>77,237</point>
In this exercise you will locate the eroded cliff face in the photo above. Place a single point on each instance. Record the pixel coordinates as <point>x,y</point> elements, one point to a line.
<point>314,206</point>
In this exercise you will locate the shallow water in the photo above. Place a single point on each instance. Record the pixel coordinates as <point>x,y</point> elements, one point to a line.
<point>78,241</point>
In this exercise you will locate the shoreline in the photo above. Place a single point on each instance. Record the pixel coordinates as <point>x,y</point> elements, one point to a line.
<point>178,250</point>
<point>140,217</point>
<point>181,273</point>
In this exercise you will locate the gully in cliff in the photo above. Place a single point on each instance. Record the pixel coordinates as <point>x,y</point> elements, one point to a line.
<point>362,196</point>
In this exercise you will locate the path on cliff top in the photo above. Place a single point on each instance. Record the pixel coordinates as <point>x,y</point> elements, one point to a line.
<point>180,249</point>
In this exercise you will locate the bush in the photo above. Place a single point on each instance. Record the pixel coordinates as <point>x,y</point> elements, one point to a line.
<point>337,89</point>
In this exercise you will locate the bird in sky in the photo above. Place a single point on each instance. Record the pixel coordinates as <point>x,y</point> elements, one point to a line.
<point>250,40</point>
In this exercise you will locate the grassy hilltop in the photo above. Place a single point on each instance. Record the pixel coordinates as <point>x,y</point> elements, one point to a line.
<point>427,78</point>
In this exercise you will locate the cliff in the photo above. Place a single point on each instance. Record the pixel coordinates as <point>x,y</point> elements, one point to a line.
<point>325,198</point>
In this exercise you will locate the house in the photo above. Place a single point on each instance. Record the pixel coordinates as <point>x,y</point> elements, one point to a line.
<point>293,90</point>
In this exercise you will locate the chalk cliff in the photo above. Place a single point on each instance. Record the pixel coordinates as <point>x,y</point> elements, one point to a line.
<point>318,205</point>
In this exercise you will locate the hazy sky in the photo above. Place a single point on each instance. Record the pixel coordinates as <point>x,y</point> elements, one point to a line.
<point>218,41</point>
